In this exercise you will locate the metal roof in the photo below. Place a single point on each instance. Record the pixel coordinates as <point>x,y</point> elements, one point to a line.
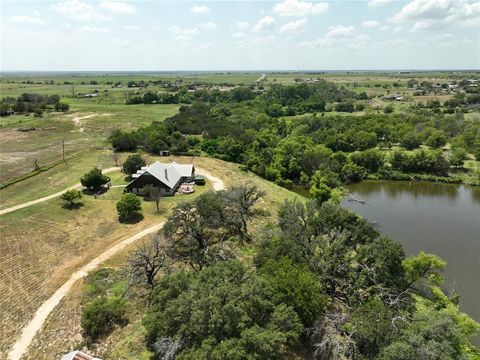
<point>169,174</point>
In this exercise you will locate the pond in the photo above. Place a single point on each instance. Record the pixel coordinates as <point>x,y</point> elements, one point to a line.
<point>443,219</point>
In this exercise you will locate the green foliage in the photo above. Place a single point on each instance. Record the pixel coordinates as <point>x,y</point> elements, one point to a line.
<point>352,173</point>
<point>94,179</point>
<point>129,208</point>
<point>437,139</point>
<point>100,316</point>
<point>411,140</point>
<point>294,285</point>
<point>133,163</point>
<point>423,266</point>
<point>71,198</point>
<point>223,311</point>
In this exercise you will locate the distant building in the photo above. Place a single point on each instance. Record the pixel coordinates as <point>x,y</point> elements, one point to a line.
<point>78,355</point>
<point>167,177</point>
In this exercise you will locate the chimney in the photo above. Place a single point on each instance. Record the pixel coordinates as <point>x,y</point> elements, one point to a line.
<point>166,174</point>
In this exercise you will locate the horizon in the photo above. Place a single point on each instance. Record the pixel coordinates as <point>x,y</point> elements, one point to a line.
<point>294,35</point>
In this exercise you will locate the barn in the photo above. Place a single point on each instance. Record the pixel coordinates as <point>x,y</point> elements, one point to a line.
<point>166,177</point>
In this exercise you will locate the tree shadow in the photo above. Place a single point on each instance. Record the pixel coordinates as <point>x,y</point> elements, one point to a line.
<point>91,192</point>
<point>74,206</point>
<point>131,219</point>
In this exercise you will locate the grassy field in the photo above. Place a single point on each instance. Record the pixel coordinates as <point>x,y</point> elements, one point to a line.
<point>85,127</point>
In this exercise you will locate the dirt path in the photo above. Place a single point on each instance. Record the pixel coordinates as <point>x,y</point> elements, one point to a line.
<point>35,325</point>
<point>77,120</point>
<point>49,197</point>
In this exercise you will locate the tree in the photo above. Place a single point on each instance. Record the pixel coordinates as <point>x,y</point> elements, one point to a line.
<point>352,173</point>
<point>242,199</point>
<point>411,140</point>
<point>155,195</point>
<point>133,163</point>
<point>94,179</point>
<point>458,157</point>
<point>437,139</point>
<point>319,190</point>
<point>197,231</point>
<point>388,109</point>
<point>100,316</point>
<point>70,198</point>
<point>294,285</point>
<point>147,260</point>
<point>224,311</point>
<point>61,106</point>
<point>129,208</point>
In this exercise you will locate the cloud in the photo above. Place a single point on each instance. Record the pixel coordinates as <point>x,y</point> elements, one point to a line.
<point>78,10</point>
<point>370,24</point>
<point>94,29</point>
<point>25,19</point>
<point>438,14</point>
<point>200,9</point>
<point>339,35</point>
<point>299,8</point>
<point>265,23</point>
<point>239,36</point>
<point>131,27</point>
<point>118,7</point>
<point>208,25</point>
<point>264,40</point>
<point>377,3</point>
<point>294,27</point>
<point>184,31</point>
<point>242,25</point>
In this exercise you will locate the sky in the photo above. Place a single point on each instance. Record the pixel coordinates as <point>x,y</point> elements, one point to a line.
<point>103,35</point>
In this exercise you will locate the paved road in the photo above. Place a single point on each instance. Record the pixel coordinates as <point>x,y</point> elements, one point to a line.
<point>49,197</point>
<point>35,325</point>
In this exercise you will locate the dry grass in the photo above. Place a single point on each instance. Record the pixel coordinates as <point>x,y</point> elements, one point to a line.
<point>42,245</point>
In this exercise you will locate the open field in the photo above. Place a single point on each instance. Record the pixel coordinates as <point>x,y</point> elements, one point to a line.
<point>84,128</point>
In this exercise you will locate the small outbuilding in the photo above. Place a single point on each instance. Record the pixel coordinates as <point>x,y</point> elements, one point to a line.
<point>78,355</point>
<point>166,177</point>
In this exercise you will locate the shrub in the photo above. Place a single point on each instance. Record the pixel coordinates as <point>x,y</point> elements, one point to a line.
<point>129,208</point>
<point>133,163</point>
<point>94,179</point>
<point>100,317</point>
<point>70,198</point>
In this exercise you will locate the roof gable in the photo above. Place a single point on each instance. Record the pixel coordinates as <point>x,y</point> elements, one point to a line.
<point>169,174</point>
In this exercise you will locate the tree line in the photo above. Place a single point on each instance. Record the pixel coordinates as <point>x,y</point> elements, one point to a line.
<point>31,103</point>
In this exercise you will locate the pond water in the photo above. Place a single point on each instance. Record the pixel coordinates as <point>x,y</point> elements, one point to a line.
<point>443,219</point>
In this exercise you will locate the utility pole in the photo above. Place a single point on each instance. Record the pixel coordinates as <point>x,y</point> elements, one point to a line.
<point>63,151</point>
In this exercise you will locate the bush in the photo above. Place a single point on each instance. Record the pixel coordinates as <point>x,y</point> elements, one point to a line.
<point>94,179</point>
<point>411,140</point>
<point>133,163</point>
<point>100,317</point>
<point>294,285</point>
<point>352,173</point>
<point>70,198</point>
<point>129,208</point>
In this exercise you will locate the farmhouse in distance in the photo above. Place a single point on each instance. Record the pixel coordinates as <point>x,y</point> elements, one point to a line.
<point>167,177</point>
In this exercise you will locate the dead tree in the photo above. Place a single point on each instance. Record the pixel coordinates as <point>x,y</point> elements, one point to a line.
<point>147,260</point>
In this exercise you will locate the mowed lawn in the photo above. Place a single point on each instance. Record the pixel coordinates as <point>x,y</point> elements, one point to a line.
<point>43,244</point>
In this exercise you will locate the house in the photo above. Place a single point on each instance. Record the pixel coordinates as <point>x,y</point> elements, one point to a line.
<point>167,177</point>
<point>78,355</point>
